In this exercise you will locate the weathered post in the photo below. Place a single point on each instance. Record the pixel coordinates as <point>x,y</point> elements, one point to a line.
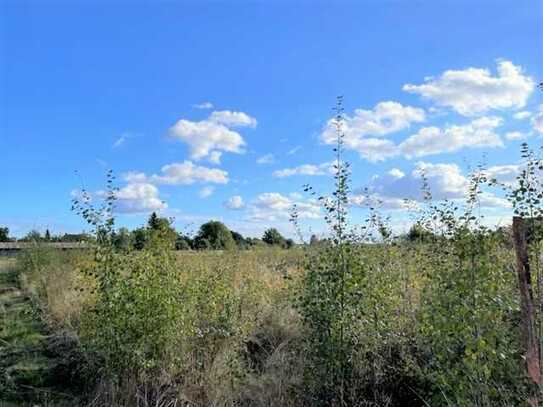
<point>528,327</point>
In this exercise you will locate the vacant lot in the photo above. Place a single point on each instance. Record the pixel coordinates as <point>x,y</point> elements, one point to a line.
<point>412,324</point>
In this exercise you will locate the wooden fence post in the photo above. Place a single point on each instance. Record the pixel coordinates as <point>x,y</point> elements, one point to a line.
<point>528,327</point>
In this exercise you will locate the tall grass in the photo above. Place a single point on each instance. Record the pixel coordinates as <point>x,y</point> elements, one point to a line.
<point>363,319</point>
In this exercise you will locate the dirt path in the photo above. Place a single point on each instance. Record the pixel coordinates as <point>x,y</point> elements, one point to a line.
<point>28,366</point>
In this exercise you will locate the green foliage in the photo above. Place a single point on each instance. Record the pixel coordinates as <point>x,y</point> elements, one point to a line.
<point>183,242</point>
<point>468,321</point>
<point>457,344</point>
<point>360,318</point>
<point>134,319</point>
<point>74,237</point>
<point>272,237</point>
<point>289,243</point>
<point>329,297</point>
<point>214,235</point>
<point>122,240</point>
<point>468,307</point>
<point>135,323</point>
<point>160,232</point>
<point>32,236</point>
<point>4,234</point>
<point>241,243</point>
<point>527,195</point>
<point>255,242</point>
<point>140,238</point>
<point>418,234</point>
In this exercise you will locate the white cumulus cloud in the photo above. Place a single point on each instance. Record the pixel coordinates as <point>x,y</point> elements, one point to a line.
<point>364,130</point>
<point>516,135</point>
<point>375,149</point>
<point>134,177</point>
<point>445,181</point>
<point>233,119</point>
<point>235,203</point>
<point>305,169</point>
<point>274,206</point>
<point>505,174</point>
<point>187,172</point>
<point>473,91</point>
<point>384,118</point>
<point>433,140</point>
<point>522,115</point>
<point>215,157</point>
<point>139,198</point>
<point>207,137</point>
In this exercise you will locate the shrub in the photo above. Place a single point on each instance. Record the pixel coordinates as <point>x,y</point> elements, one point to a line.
<point>214,235</point>
<point>274,238</point>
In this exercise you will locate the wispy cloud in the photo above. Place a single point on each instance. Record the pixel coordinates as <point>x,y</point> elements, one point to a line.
<point>294,150</point>
<point>203,105</point>
<point>206,192</point>
<point>123,139</point>
<point>266,159</point>
<point>537,120</point>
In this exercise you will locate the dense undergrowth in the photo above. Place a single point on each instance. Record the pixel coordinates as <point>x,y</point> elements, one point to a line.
<point>264,328</point>
<point>361,319</point>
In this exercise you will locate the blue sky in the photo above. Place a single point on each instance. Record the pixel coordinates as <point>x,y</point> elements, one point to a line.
<point>220,109</point>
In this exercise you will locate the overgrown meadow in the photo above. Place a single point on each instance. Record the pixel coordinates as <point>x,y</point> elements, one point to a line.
<point>361,318</point>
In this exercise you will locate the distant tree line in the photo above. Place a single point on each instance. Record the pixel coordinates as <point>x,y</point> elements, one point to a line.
<point>212,235</point>
<point>36,236</point>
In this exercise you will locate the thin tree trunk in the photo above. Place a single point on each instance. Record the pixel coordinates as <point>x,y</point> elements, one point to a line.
<point>530,339</point>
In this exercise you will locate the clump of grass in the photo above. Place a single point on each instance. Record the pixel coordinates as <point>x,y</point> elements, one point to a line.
<point>55,282</point>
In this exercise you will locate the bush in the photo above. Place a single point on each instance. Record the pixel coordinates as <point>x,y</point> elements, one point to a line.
<point>274,238</point>
<point>214,235</point>
<point>136,322</point>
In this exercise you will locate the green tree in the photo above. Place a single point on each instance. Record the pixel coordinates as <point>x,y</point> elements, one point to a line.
<point>255,242</point>
<point>32,236</point>
<point>154,222</point>
<point>214,235</point>
<point>47,235</point>
<point>4,234</point>
<point>160,231</point>
<point>139,238</point>
<point>241,243</point>
<point>183,242</point>
<point>418,234</point>
<point>274,238</point>
<point>74,237</point>
<point>122,239</point>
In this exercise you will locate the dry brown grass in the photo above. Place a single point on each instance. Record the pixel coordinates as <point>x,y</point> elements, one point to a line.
<point>56,283</point>
<point>255,365</point>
